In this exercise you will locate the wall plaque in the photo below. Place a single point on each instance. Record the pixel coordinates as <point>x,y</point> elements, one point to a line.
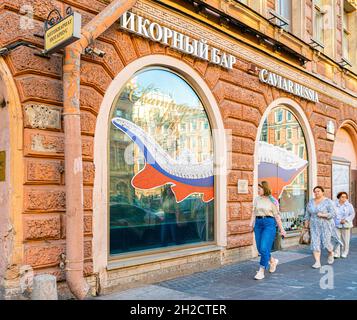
<point>2,165</point>
<point>243,186</point>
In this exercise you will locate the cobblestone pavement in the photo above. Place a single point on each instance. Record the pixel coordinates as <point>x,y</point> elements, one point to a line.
<point>293,280</point>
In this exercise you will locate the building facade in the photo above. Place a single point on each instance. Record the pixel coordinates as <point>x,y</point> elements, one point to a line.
<point>192,104</point>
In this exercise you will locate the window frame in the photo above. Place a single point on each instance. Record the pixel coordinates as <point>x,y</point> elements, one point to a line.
<point>318,10</point>
<point>153,251</point>
<point>345,34</point>
<point>278,8</point>
<point>276,116</point>
<point>309,157</point>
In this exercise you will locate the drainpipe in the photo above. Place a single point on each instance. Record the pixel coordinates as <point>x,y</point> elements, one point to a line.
<point>73,145</point>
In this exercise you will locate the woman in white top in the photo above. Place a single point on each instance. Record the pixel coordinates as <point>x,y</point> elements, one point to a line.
<point>344,223</point>
<point>266,214</point>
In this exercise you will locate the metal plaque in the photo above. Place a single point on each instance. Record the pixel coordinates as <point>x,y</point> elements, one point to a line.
<point>63,33</point>
<point>243,186</point>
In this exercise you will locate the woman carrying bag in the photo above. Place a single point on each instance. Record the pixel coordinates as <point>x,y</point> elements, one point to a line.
<point>319,216</point>
<point>266,214</point>
<point>344,223</point>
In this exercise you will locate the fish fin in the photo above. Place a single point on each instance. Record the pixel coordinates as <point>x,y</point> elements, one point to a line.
<point>181,193</point>
<point>208,195</point>
<point>149,178</point>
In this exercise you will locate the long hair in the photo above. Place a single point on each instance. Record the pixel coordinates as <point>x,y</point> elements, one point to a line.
<point>266,188</point>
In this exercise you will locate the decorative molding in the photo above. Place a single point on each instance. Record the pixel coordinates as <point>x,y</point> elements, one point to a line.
<point>42,117</point>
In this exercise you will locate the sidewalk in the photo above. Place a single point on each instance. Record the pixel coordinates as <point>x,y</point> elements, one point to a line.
<point>293,280</point>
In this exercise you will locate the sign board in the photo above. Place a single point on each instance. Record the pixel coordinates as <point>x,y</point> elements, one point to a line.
<point>2,165</point>
<point>63,33</point>
<point>288,85</point>
<point>243,186</point>
<point>154,31</point>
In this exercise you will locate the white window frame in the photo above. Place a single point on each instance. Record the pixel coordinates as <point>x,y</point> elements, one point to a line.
<point>278,8</point>
<point>276,116</point>
<point>318,10</point>
<point>277,135</point>
<point>345,35</point>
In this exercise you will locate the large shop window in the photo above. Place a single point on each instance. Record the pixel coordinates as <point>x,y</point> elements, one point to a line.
<point>283,163</point>
<point>161,165</point>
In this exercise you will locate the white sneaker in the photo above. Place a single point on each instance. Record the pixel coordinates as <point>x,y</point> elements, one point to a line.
<point>336,256</point>
<point>260,275</point>
<point>344,256</point>
<point>273,266</point>
<point>316,265</point>
<point>330,259</point>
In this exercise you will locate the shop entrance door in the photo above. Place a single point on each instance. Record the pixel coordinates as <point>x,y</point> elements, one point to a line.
<point>341,176</point>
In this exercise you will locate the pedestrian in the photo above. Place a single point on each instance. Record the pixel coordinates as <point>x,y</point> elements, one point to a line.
<point>170,217</point>
<point>266,216</point>
<point>319,217</point>
<point>344,223</point>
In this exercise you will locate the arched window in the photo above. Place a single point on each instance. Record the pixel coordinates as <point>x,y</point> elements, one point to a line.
<point>283,162</point>
<point>161,148</point>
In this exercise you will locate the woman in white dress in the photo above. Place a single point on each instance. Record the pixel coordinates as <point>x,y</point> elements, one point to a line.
<point>319,217</point>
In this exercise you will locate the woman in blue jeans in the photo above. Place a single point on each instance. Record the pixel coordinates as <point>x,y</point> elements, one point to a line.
<point>266,214</point>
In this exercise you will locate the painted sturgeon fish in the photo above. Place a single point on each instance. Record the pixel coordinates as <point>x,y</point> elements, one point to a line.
<point>185,177</point>
<point>278,166</point>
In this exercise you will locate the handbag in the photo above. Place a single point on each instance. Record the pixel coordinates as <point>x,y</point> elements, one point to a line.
<point>305,237</point>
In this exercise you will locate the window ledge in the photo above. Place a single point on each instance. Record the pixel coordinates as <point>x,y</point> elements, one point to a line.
<point>134,261</point>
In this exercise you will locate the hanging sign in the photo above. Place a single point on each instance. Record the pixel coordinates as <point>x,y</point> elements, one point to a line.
<point>198,48</point>
<point>290,86</point>
<point>60,32</point>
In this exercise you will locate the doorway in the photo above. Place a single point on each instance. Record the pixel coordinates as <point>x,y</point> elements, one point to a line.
<point>344,164</point>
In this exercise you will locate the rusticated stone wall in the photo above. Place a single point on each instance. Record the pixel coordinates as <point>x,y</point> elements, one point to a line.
<point>241,97</point>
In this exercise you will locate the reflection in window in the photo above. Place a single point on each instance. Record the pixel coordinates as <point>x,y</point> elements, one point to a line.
<point>279,115</point>
<point>283,143</point>
<point>167,111</point>
<point>277,135</point>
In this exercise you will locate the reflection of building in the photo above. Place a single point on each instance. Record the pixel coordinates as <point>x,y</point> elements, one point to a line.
<point>181,129</point>
<point>176,127</point>
<point>282,129</point>
<point>118,165</point>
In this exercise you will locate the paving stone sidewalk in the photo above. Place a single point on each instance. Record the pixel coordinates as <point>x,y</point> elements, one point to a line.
<point>293,280</point>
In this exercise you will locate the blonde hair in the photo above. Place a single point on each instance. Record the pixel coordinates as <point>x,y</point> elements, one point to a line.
<point>266,188</point>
